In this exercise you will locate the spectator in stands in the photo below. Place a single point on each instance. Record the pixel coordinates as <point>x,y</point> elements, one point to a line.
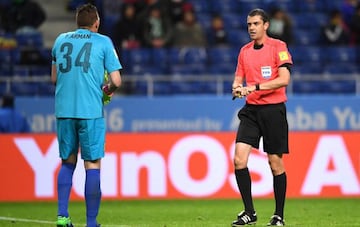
<point>217,35</point>
<point>12,121</point>
<point>355,25</point>
<point>126,30</point>
<point>348,10</point>
<point>157,28</point>
<point>176,9</point>
<point>23,16</point>
<point>335,32</point>
<point>280,25</point>
<point>189,32</point>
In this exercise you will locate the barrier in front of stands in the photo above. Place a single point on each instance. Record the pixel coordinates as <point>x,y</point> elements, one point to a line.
<point>182,165</point>
<point>201,113</point>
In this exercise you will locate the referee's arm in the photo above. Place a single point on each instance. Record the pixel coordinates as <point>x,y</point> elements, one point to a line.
<point>281,81</point>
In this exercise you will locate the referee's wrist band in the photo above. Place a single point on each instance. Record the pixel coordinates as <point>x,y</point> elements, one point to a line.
<point>257,87</point>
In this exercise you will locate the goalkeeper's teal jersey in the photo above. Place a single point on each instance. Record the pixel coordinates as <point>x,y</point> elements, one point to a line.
<point>81,58</point>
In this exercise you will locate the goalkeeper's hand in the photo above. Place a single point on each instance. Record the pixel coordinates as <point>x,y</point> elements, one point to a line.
<point>105,88</point>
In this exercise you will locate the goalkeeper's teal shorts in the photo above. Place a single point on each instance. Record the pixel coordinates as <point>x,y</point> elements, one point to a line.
<point>89,134</point>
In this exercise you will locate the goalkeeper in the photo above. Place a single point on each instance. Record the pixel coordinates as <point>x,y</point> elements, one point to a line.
<point>80,59</point>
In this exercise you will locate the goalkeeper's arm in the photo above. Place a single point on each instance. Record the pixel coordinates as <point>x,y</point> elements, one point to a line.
<point>113,83</point>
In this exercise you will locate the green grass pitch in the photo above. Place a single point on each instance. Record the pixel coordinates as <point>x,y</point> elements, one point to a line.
<point>186,213</point>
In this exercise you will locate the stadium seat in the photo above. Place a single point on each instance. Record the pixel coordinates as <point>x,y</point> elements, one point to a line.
<point>145,69</point>
<point>289,6</point>
<point>308,87</point>
<point>222,69</point>
<point>187,69</point>
<point>24,88</point>
<point>5,56</point>
<point>6,70</point>
<point>340,69</point>
<point>224,6</point>
<point>245,6</point>
<point>234,20</point>
<point>341,54</point>
<point>339,87</point>
<point>304,37</point>
<point>21,71</point>
<point>307,68</point>
<point>30,39</point>
<point>140,56</point>
<point>310,6</point>
<point>189,55</point>
<point>218,55</point>
<point>304,54</point>
<point>310,21</point>
<point>238,38</point>
<point>200,6</point>
<point>159,58</point>
<point>46,89</point>
<point>3,88</point>
<point>204,20</point>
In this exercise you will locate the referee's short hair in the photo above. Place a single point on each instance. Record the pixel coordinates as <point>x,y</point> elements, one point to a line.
<point>260,12</point>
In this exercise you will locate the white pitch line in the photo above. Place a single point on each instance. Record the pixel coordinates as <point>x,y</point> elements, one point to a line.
<point>48,222</point>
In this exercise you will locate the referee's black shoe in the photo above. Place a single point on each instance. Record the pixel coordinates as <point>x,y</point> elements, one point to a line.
<point>245,218</point>
<point>276,220</point>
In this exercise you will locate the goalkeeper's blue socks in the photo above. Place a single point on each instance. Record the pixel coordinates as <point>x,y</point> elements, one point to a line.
<point>92,196</point>
<point>64,184</point>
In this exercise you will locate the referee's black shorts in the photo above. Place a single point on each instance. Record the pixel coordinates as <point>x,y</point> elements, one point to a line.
<point>267,121</point>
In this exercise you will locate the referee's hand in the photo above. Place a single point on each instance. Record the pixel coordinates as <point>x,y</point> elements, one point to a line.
<point>237,92</point>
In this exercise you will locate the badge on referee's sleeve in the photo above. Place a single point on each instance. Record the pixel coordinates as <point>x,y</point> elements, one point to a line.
<point>283,56</point>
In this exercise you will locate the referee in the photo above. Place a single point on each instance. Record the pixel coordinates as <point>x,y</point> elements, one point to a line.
<point>264,64</point>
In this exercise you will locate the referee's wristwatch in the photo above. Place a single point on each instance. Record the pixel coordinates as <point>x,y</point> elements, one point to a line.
<point>257,87</point>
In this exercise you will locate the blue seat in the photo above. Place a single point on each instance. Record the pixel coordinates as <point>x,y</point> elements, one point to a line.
<point>234,20</point>
<point>341,68</point>
<point>21,71</point>
<point>310,21</point>
<point>6,70</point>
<point>46,89</point>
<point>340,87</point>
<point>307,37</point>
<point>146,69</point>
<point>5,56</point>
<point>223,55</point>
<point>187,69</point>
<point>159,58</point>
<point>3,88</point>
<point>238,38</point>
<point>204,20</point>
<point>245,6</point>
<point>222,69</point>
<point>24,88</point>
<point>200,6</point>
<point>307,68</point>
<point>308,87</point>
<point>30,39</point>
<point>289,6</point>
<point>225,6</point>
<point>140,56</point>
<point>189,55</point>
<point>311,6</point>
<point>304,54</point>
<point>341,54</point>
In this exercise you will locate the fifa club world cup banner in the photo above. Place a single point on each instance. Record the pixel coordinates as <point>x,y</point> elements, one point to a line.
<point>182,165</point>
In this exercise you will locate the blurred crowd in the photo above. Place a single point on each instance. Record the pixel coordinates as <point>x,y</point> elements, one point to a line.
<point>175,23</point>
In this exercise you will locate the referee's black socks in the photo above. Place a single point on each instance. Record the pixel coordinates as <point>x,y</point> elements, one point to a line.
<point>280,193</point>
<point>243,180</point>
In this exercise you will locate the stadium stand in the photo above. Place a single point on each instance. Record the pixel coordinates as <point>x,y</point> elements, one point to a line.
<point>169,71</point>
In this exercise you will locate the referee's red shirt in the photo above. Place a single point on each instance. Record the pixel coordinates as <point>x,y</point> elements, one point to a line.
<point>261,65</point>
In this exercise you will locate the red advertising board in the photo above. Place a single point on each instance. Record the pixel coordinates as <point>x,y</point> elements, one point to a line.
<point>182,165</point>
